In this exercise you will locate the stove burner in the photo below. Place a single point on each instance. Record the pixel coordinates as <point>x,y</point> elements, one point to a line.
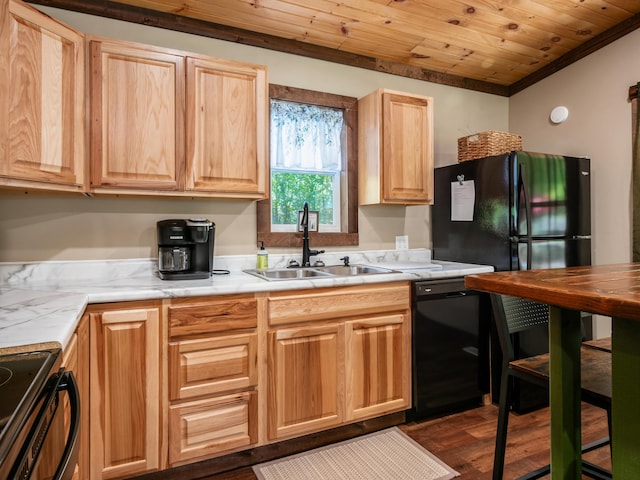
<point>5,375</point>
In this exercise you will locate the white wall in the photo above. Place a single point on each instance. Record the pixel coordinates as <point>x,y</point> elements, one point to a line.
<point>595,90</point>
<point>44,227</point>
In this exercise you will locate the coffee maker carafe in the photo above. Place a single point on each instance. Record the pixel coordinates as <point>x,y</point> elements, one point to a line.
<point>185,248</point>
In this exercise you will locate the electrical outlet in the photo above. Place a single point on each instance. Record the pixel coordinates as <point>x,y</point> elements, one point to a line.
<point>402,242</point>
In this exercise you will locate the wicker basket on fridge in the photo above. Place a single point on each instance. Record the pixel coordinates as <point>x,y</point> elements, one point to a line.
<point>485,144</point>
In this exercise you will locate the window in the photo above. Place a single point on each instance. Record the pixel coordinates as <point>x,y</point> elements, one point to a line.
<point>306,163</point>
<point>313,159</point>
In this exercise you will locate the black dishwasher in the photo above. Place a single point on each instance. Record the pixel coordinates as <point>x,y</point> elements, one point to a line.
<point>450,347</point>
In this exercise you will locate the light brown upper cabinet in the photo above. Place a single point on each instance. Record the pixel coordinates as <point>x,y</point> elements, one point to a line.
<point>174,123</point>
<point>137,117</point>
<point>41,101</point>
<point>395,148</point>
<point>227,120</point>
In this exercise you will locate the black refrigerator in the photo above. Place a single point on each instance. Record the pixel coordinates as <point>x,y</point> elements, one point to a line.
<point>516,211</point>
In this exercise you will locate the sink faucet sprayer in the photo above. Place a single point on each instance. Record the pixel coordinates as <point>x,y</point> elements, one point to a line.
<point>306,252</point>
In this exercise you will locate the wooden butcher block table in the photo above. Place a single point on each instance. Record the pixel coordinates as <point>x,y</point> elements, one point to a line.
<point>611,290</point>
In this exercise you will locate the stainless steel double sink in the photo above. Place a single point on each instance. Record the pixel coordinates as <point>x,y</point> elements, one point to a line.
<point>307,273</point>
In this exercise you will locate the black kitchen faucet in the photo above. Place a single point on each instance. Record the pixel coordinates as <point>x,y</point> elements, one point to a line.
<point>306,252</point>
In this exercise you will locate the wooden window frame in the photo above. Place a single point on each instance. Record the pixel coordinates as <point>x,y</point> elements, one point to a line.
<point>348,234</point>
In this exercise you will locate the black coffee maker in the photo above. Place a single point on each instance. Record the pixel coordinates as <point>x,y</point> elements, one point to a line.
<point>185,248</point>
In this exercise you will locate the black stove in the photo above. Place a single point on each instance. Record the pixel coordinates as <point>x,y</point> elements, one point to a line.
<point>22,379</point>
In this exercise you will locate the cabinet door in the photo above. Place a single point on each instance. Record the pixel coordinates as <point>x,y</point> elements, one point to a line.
<point>305,385</point>
<point>407,149</point>
<point>395,148</point>
<point>125,400</point>
<point>227,115</point>
<point>137,117</point>
<point>377,366</point>
<point>42,127</point>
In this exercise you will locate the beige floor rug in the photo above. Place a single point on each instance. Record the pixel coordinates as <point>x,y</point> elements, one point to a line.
<point>385,455</point>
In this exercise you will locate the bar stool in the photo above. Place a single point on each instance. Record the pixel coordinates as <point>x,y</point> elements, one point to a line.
<point>512,315</point>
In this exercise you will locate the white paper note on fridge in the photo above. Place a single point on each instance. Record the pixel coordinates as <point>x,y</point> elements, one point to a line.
<point>463,198</point>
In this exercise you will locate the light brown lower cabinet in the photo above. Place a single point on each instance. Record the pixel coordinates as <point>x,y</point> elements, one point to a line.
<point>213,374</point>
<point>305,384</point>
<point>377,360</point>
<point>336,356</point>
<point>189,379</point>
<point>125,392</point>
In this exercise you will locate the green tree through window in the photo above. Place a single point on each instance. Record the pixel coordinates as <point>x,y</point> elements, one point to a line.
<point>289,191</point>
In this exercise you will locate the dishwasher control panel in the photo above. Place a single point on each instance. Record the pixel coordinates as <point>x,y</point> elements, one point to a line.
<point>436,287</point>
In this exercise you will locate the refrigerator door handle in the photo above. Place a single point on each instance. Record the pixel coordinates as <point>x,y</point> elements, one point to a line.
<point>522,177</point>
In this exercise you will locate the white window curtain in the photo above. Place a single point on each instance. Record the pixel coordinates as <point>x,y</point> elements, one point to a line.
<point>305,137</point>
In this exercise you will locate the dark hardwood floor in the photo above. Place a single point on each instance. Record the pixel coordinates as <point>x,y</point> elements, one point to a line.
<point>465,442</point>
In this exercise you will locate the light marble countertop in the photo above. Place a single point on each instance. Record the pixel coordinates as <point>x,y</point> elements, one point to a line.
<point>41,303</point>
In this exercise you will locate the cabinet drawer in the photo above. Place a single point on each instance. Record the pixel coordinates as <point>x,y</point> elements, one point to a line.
<point>213,316</point>
<point>213,365</point>
<point>208,427</point>
<point>334,303</point>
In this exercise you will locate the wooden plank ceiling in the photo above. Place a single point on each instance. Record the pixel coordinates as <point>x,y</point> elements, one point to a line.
<point>500,46</point>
